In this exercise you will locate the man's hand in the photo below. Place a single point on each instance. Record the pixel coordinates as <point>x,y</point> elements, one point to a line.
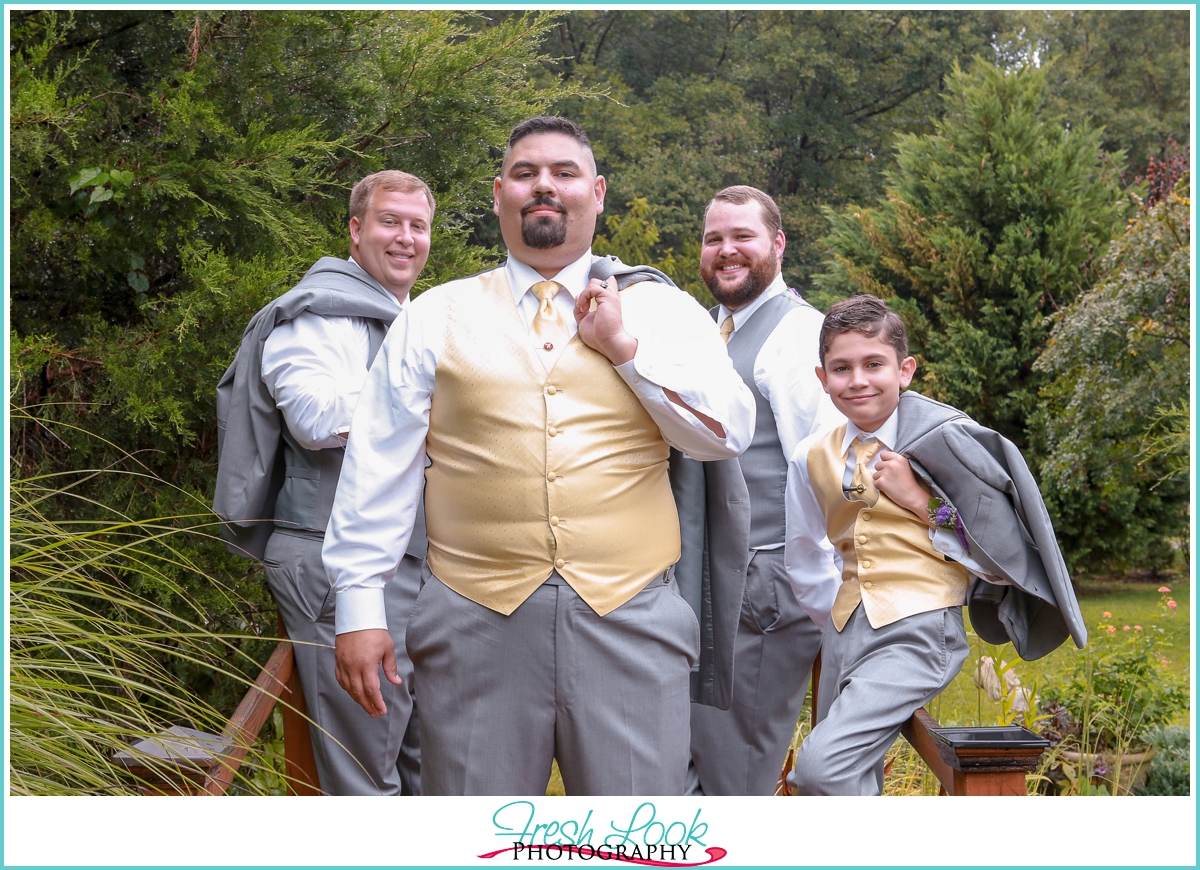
<point>359,654</point>
<point>894,477</point>
<point>600,325</point>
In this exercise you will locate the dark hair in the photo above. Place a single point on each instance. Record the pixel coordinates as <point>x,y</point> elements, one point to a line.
<point>740,194</point>
<point>868,315</point>
<point>548,124</point>
<point>388,179</point>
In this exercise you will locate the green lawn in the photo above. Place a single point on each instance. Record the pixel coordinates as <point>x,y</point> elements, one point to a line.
<point>1129,603</point>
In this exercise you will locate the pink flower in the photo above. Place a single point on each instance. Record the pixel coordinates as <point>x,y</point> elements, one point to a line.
<point>1172,604</point>
<point>1164,589</point>
<point>1106,615</point>
<point>1164,662</point>
<point>1112,629</point>
<point>1126,628</point>
<point>1137,628</point>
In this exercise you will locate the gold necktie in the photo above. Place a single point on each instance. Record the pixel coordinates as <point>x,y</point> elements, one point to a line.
<point>548,325</point>
<point>862,486</point>
<point>727,328</point>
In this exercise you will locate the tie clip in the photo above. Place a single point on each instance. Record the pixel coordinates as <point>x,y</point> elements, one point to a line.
<point>859,489</point>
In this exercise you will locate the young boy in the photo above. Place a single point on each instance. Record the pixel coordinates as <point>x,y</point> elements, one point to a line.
<point>877,545</point>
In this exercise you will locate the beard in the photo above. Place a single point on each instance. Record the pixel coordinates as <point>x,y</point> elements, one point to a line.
<point>761,274</point>
<point>544,231</point>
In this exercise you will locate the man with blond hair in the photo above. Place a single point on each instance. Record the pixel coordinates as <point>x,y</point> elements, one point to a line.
<point>285,407</point>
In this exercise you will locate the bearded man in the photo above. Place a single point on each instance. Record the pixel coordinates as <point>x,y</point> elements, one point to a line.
<point>544,399</point>
<point>771,337</point>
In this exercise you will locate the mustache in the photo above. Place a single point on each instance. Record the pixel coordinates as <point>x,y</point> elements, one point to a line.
<point>540,202</point>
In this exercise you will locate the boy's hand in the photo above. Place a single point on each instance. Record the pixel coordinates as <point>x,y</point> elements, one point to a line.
<point>894,477</point>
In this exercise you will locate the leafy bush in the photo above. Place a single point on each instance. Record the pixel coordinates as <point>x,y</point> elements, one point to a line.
<point>1170,770</point>
<point>1120,690</point>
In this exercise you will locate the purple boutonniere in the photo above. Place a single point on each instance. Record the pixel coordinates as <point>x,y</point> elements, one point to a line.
<point>943,515</point>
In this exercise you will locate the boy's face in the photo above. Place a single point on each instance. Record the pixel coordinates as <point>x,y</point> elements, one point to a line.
<point>864,379</point>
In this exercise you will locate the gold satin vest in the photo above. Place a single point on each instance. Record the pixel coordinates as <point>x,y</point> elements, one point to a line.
<point>888,561</point>
<point>531,471</point>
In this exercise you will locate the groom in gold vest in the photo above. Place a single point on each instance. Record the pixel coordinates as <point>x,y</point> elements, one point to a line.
<point>537,404</point>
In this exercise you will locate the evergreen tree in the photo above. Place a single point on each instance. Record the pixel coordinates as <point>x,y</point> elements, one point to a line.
<point>988,226</point>
<point>174,171</point>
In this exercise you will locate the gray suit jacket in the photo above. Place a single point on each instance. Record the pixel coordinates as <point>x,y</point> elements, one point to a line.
<point>250,469</point>
<point>1007,526</point>
<point>715,533</point>
<point>714,525</point>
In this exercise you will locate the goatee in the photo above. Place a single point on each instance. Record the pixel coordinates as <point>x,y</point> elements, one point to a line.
<point>758,278</point>
<point>543,231</point>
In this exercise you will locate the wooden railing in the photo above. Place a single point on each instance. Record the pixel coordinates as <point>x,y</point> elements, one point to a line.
<point>183,761</point>
<point>961,770</point>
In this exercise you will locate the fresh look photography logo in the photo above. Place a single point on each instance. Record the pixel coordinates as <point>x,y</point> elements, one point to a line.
<point>644,837</point>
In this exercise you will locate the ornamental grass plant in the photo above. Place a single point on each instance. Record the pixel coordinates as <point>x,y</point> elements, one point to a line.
<point>93,666</point>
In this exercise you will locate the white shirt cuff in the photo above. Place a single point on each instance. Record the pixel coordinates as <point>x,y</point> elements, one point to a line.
<point>359,609</point>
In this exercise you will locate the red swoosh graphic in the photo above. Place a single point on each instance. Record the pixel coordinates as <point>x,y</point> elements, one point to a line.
<point>715,853</point>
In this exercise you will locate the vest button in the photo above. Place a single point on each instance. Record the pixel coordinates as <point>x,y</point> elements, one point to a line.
<point>560,563</point>
<point>552,431</point>
<point>550,390</point>
<point>554,521</point>
<point>550,475</point>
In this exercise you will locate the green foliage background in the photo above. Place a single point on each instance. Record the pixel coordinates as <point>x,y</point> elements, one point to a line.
<point>171,171</point>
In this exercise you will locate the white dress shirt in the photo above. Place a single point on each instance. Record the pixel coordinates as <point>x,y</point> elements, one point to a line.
<point>785,371</point>
<point>679,348</point>
<point>814,567</point>
<point>314,368</point>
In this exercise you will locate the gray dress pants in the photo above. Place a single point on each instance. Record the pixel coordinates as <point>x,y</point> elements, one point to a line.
<point>872,681</point>
<point>355,754</point>
<point>740,751</point>
<point>502,696</point>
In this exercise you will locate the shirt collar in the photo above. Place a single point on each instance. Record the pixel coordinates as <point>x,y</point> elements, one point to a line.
<point>746,311</point>
<point>885,434</point>
<point>573,276</point>
<point>390,294</point>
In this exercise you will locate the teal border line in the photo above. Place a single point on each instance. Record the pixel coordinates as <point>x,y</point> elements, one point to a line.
<point>990,822</point>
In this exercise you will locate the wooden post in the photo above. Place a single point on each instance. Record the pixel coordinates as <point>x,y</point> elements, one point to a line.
<point>972,770</point>
<point>299,761</point>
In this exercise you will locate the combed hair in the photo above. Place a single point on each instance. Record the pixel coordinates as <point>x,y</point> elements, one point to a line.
<point>549,124</point>
<point>388,179</point>
<point>869,315</point>
<point>740,194</point>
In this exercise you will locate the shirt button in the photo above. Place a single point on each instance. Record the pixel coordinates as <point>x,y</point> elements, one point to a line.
<point>866,563</point>
<point>552,431</point>
<point>554,521</point>
<point>862,539</point>
<point>550,390</point>
<point>550,475</point>
<point>560,563</point>
<point>868,586</point>
<point>866,516</point>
